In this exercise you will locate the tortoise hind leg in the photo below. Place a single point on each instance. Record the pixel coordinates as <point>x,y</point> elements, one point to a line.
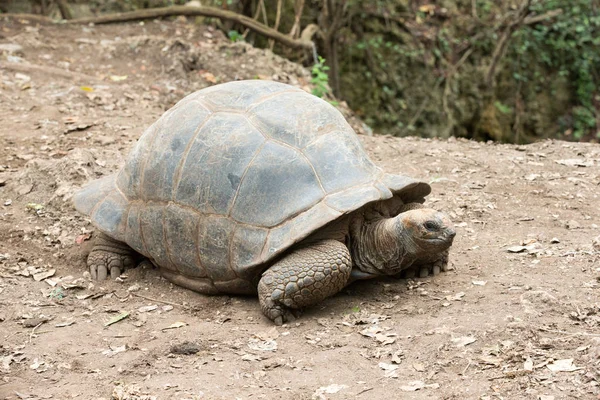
<point>110,257</point>
<point>304,278</point>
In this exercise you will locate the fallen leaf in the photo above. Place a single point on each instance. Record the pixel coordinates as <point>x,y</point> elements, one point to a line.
<point>516,249</point>
<point>148,308</point>
<point>175,325</point>
<point>565,365</point>
<point>331,389</point>
<point>117,318</point>
<point>76,128</point>
<point>456,297</point>
<point>463,341</point>
<point>251,357</point>
<point>397,357</point>
<point>43,275</point>
<point>386,338</point>
<point>419,367</point>
<point>118,78</point>
<point>479,283</point>
<point>34,206</point>
<point>114,350</point>
<point>576,162</point>
<point>262,345</point>
<point>390,370</point>
<point>87,89</point>
<point>209,77</point>
<point>63,324</point>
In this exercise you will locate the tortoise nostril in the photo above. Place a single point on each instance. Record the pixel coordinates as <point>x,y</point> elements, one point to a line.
<point>451,233</point>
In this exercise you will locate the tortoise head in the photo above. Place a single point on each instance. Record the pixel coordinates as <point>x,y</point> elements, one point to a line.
<point>425,230</point>
<point>389,245</point>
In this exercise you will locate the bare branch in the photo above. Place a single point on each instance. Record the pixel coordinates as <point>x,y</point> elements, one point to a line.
<point>504,39</point>
<point>298,7</point>
<point>277,21</point>
<point>65,11</point>
<point>194,11</point>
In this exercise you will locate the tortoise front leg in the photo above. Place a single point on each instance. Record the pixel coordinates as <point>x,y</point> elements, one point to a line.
<point>303,278</point>
<point>109,257</point>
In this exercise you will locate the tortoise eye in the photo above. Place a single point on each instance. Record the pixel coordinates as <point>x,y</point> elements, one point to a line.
<point>431,226</point>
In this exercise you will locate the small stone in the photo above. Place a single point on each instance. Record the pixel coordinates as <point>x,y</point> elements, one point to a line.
<point>185,348</point>
<point>572,224</point>
<point>596,243</point>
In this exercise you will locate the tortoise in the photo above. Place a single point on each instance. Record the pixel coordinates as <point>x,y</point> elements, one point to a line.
<point>258,187</point>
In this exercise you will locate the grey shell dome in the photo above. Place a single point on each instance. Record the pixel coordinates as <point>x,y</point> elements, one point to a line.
<point>233,175</point>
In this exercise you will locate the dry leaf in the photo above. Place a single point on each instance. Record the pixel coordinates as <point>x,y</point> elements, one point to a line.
<point>456,297</point>
<point>118,318</point>
<point>419,367</point>
<point>114,350</point>
<point>565,365</point>
<point>576,162</point>
<point>390,369</point>
<point>209,77</point>
<point>175,325</point>
<point>43,275</point>
<point>118,78</point>
<point>262,345</point>
<point>463,341</point>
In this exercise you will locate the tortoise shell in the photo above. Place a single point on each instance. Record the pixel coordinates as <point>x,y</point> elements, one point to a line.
<point>232,176</point>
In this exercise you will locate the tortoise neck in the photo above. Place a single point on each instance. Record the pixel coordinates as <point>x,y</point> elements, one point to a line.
<point>381,246</point>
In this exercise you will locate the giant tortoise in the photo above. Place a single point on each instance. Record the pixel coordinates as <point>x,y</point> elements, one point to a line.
<point>259,187</point>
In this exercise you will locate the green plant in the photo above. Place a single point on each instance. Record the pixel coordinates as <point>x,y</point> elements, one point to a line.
<point>320,79</point>
<point>567,45</point>
<point>235,36</point>
<point>503,108</point>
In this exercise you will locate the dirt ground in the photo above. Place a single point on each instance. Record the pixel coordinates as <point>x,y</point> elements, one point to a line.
<point>517,317</point>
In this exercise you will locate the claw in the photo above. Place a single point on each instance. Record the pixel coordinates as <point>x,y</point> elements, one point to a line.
<point>115,272</point>
<point>102,272</point>
<point>436,270</point>
<point>278,321</point>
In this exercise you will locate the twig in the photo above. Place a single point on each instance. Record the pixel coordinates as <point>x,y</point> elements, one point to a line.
<point>277,21</point>
<point>255,17</point>
<point>264,13</point>
<point>363,391</point>
<point>503,42</point>
<point>33,330</point>
<point>206,11</point>
<point>474,9</point>
<point>569,333</point>
<point>466,368</point>
<point>298,8</point>
<point>65,11</point>
<point>542,17</point>
<point>157,300</point>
